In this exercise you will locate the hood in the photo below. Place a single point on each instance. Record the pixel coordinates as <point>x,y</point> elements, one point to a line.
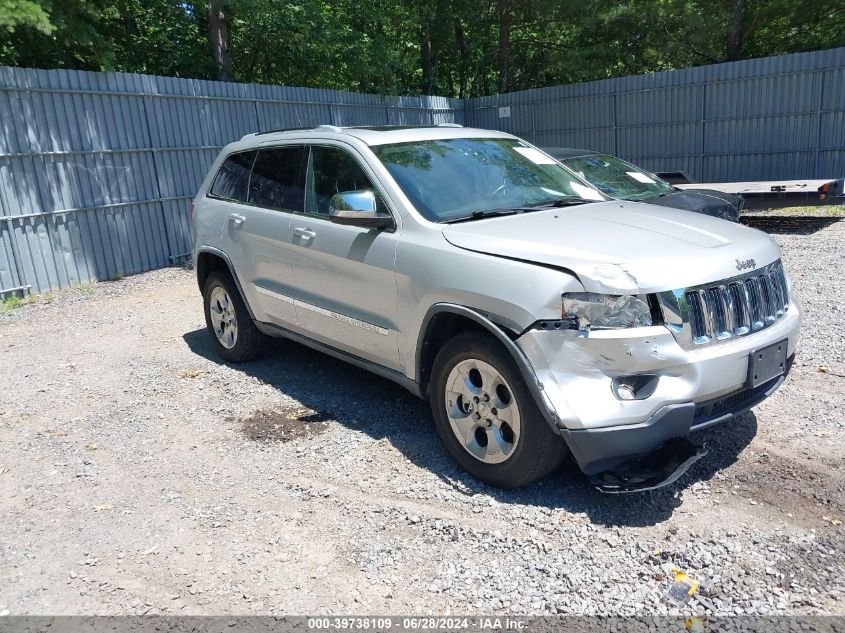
<point>716,203</point>
<point>622,247</point>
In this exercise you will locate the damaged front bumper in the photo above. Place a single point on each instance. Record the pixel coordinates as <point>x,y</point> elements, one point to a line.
<point>657,469</point>
<point>676,391</point>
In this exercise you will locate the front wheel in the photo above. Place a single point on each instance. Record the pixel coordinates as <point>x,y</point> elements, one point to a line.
<point>486,416</point>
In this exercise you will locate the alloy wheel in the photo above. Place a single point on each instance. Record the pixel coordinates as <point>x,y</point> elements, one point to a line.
<point>482,411</point>
<point>223,318</point>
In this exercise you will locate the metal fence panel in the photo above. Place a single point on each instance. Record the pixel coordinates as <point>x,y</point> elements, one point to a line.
<point>759,119</point>
<point>97,169</point>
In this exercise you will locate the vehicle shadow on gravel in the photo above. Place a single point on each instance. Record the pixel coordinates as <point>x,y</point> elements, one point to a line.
<point>572,492</point>
<point>362,401</point>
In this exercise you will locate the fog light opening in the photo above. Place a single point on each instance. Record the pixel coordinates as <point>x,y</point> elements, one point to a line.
<point>637,387</point>
<point>625,392</point>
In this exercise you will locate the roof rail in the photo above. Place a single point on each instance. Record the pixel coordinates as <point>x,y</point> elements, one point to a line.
<point>286,129</point>
<point>338,130</point>
<point>325,128</point>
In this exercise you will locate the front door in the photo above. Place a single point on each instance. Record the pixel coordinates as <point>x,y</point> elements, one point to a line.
<point>345,288</point>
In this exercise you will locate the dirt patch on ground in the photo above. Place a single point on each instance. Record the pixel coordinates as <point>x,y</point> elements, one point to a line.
<point>795,486</point>
<point>284,426</point>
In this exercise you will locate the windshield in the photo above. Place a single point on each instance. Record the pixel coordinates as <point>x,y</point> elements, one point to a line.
<point>616,178</point>
<point>451,178</point>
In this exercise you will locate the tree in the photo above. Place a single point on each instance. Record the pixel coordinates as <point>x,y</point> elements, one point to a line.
<point>14,13</point>
<point>72,39</point>
<point>157,37</point>
<point>734,43</point>
<point>449,47</point>
<point>218,39</point>
<point>504,43</point>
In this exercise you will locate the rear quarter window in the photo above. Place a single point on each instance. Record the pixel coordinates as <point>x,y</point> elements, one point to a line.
<point>232,181</point>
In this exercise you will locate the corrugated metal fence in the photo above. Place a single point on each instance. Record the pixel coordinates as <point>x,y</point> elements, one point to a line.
<point>759,119</point>
<point>97,169</point>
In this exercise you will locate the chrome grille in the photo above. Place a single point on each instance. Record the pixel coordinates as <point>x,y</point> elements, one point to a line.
<point>729,308</point>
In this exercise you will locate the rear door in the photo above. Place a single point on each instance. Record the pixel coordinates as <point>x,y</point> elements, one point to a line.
<point>344,282</point>
<point>259,232</point>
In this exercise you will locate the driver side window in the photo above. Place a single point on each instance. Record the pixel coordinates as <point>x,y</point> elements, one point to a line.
<point>331,171</point>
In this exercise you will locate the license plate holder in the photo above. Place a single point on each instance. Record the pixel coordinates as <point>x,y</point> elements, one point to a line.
<point>767,363</point>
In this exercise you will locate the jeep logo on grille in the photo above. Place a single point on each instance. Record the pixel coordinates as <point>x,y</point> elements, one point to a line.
<point>748,264</point>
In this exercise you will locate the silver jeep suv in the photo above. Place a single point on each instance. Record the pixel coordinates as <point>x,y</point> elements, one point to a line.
<point>535,315</point>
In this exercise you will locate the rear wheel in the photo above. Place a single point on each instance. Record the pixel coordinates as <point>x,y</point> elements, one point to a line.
<point>235,336</point>
<point>486,416</point>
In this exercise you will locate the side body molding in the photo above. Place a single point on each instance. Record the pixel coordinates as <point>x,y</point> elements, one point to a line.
<point>525,368</point>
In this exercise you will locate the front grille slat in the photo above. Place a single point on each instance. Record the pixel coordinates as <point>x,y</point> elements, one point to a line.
<point>769,301</point>
<point>742,316</point>
<point>719,313</point>
<point>783,287</point>
<point>777,291</point>
<point>699,317</point>
<point>728,307</point>
<point>755,301</point>
<point>738,306</point>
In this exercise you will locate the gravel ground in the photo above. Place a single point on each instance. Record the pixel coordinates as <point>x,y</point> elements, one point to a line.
<point>822,210</point>
<point>140,475</point>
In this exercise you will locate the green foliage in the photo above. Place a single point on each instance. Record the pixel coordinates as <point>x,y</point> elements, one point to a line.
<point>71,41</point>
<point>450,47</point>
<point>160,37</point>
<point>14,13</point>
<point>9,304</point>
<point>157,37</point>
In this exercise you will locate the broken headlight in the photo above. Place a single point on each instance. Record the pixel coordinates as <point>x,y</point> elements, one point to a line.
<point>589,310</point>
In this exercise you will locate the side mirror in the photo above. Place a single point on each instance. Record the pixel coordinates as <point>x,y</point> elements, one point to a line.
<point>357,208</point>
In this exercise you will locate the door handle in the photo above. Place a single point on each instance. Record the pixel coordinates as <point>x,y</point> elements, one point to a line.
<point>305,234</point>
<point>237,219</point>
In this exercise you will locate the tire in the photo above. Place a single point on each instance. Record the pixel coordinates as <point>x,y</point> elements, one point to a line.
<point>474,415</point>
<point>233,334</point>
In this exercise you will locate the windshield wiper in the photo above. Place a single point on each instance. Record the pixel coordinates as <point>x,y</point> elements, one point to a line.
<point>485,213</point>
<point>492,213</point>
<point>566,201</point>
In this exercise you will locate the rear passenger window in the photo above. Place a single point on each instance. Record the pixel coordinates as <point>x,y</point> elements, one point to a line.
<point>278,181</point>
<point>232,179</point>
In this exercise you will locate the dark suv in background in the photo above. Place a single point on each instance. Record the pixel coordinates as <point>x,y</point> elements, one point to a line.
<point>624,181</point>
